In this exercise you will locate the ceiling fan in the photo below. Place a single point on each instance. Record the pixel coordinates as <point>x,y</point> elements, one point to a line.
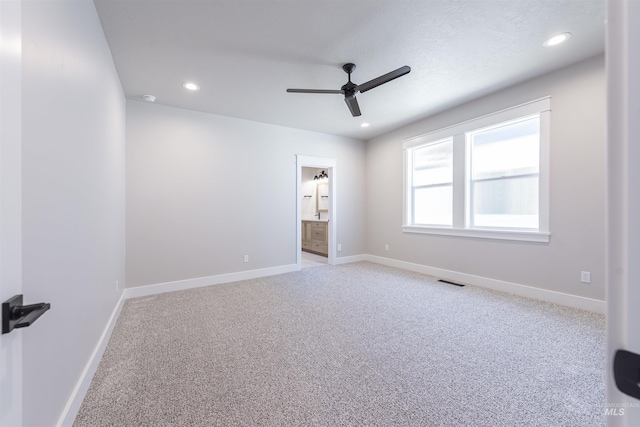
<point>350,89</point>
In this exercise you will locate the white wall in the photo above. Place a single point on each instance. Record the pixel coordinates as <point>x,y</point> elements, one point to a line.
<point>204,190</point>
<point>577,191</point>
<point>73,197</point>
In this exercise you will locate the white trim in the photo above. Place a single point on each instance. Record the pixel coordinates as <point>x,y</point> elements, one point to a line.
<point>180,285</point>
<point>622,241</point>
<point>544,172</point>
<point>11,274</point>
<point>462,203</point>
<point>569,300</point>
<point>407,183</point>
<point>75,401</point>
<point>484,282</point>
<point>352,258</point>
<point>526,109</point>
<point>298,215</point>
<point>70,411</point>
<point>460,187</point>
<point>522,290</point>
<point>523,236</point>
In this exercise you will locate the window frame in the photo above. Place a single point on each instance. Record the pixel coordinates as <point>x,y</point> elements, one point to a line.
<point>470,199</point>
<point>412,188</point>
<point>461,166</point>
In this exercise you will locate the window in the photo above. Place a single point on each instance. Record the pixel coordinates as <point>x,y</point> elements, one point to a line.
<point>486,177</point>
<point>504,174</point>
<point>432,183</point>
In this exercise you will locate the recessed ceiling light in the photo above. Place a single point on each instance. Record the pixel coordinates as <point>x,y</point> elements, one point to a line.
<point>191,86</point>
<point>365,125</point>
<point>557,39</point>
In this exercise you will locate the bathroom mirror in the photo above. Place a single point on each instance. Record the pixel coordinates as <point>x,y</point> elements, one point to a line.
<point>322,197</point>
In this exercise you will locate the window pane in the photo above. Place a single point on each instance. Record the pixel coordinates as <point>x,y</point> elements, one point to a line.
<point>433,164</point>
<point>509,202</point>
<point>433,205</point>
<point>506,150</point>
<point>432,183</point>
<point>505,165</point>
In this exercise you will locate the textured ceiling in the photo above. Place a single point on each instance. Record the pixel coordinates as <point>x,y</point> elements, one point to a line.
<point>245,54</point>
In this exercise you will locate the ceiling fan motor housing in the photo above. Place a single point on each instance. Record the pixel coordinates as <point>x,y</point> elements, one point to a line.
<point>349,90</point>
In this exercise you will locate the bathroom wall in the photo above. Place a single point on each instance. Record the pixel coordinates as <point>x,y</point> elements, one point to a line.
<point>308,188</point>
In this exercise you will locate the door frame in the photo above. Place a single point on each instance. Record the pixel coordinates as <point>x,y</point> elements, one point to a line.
<point>623,199</point>
<point>331,166</point>
<point>11,392</point>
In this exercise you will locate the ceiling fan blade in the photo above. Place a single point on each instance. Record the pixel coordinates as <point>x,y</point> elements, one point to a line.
<point>352,103</point>
<point>384,79</point>
<point>313,91</point>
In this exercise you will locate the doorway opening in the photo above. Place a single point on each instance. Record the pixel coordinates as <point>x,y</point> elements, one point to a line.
<point>315,214</point>
<point>315,219</point>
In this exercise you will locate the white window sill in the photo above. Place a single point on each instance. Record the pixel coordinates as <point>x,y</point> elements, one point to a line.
<point>523,236</point>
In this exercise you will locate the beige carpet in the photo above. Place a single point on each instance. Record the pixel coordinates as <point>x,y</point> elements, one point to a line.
<point>352,345</point>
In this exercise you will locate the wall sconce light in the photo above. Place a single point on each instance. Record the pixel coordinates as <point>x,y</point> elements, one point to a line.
<point>321,175</point>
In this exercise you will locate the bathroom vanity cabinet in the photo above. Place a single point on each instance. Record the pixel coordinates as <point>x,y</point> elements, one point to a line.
<point>315,237</point>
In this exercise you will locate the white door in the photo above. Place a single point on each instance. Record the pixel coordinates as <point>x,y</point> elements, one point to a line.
<point>623,205</point>
<point>10,205</point>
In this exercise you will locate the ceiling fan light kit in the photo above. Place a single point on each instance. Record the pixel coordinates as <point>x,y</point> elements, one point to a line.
<point>350,89</point>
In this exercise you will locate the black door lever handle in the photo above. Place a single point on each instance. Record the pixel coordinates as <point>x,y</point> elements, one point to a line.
<point>28,314</point>
<point>16,315</point>
<point>626,371</point>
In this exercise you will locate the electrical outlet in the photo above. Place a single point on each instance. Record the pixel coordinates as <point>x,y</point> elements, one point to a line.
<point>386,247</point>
<point>585,277</point>
<point>339,247</point>
<point>117,287</point>
<point>246,258</point>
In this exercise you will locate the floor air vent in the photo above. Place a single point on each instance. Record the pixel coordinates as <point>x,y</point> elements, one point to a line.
<point>451,283</point>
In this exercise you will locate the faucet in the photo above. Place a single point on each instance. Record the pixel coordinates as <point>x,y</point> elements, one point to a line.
<point>318,214</point>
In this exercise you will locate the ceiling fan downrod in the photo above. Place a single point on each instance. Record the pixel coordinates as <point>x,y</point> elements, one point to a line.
<point>349,88</point>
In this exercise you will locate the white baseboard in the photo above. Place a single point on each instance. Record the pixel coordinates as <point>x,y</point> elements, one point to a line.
<point>75,401</point>
<point>77,397</point>
<point>569,300</point>
<point>350,259</point>
<point>199,282</point>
